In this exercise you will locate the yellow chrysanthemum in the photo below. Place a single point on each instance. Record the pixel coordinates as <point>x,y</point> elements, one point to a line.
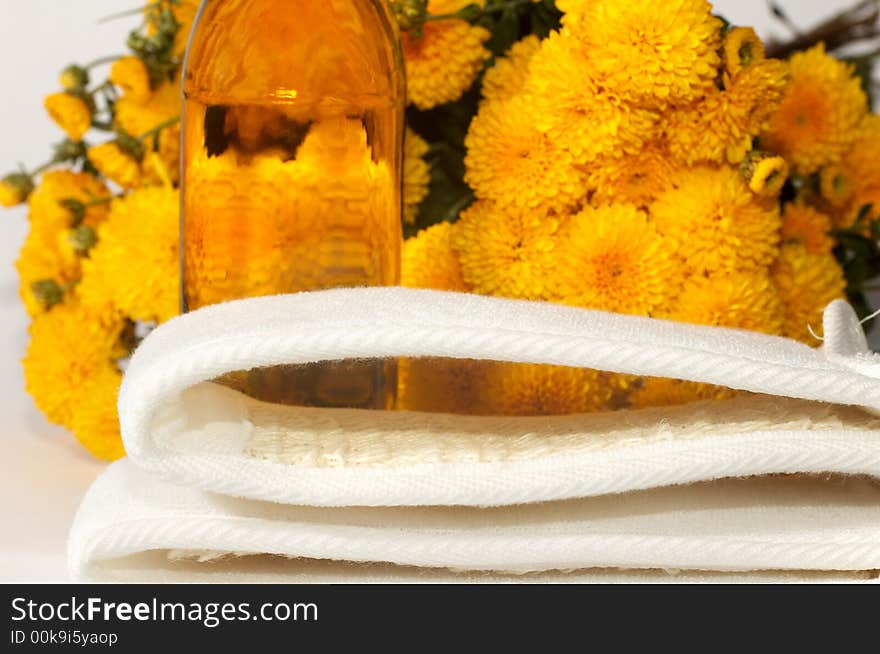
<point>45,258</point>
<point>861,159</point>
<point>95,421</point>
<point>509,74</point>
<point>513,163</point>
<point>804,224</point>
<point>135,264</point>
<point>864,209</point>
<point>612,258</point>
<point>131,75</point>
<point>155,171</point>
<point>818,117</point>
<point>506,252</point>
<point>47,213</point>
<point>654,54</point>
<point>71,113</point>
<point>428,260</point>
<point>836,185</point>
<point>742,48</point>
<point>722,125</point>
<point>853,183</point>
<point>416,174</point>
<point>659,391</point>
<point>445,60</point>
<point>136,117</point>
<point>583,118</point>
<point>438,385</point>
<point>117,165</point>
<point>742,300</point>
<point>524,389</point>
<point>718,223</point>
<point>69,346</point>
<point>806,283</point>
<point>573,10</point>
<point>10,195</point>
<point>635,178</point>
<point>765,173</point>
<point>15,189</point>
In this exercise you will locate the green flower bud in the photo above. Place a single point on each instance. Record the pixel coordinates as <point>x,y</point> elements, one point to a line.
<point>410,14</point>
<point>167,23</point>
<point>137,42</point>
<point>131,145</point>
<point>74,78</point>
<point>76,208</point>
<point>47,292</point>
<point>68,150</point>
<point>82,239</point>
<point>15,189</point>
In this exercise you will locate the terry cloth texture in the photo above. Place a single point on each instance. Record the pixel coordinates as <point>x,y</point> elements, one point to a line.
<point>783,480</point>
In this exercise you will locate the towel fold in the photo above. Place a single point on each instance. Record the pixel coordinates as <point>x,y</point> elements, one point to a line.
<point>222,486</point>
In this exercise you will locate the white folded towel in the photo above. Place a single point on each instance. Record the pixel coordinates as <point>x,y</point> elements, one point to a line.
<point>687,488</point>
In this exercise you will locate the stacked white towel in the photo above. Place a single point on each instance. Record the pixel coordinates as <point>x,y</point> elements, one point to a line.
<point>778,484</point>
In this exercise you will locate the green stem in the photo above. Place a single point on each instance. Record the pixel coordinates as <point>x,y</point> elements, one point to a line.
<point>458,206</point>
<point>128,12</point>
<point>138,10</point>
<point>102,60</point>
<point>104,85</point>
<point>42,167</point>
<point>440,148</point>
<point>107,199</point>
<point>158,128</point>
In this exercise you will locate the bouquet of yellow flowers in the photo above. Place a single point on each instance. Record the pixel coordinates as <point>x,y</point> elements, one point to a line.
<point>637,157</point>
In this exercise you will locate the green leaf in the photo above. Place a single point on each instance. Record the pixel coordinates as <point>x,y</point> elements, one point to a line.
<point>506,31</point>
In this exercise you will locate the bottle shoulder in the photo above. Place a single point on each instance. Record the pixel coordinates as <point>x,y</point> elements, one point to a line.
<point>258,51</point>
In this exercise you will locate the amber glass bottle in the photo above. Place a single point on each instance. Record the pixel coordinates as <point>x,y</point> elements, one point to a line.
<point>293,122</point>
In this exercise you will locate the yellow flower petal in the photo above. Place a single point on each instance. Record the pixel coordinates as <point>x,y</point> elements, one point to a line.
<point>806,283</point>
<point>612,258</point>
<point>506,252</point>
<point>131,75</point>
<point>513,163</point>
<point>116,164</point>
<point>445,60</point>
<point>742,300</point>
<point>416,174</point>
<point>69,346</point>
<point>717,222</point>
<point>70,113</point>
<point>742,48</point>
<point>817,120</point>
<point>95,421</point>
<point>429,260</point>
<point>135,264</point>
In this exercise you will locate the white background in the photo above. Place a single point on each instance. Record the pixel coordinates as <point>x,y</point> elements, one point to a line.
<point>43,473</point>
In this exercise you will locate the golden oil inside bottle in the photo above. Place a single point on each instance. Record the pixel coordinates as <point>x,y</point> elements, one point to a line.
<point>293,120</point>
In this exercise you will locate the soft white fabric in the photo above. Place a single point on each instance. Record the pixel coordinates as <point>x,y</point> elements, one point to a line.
<point>198,435</point>
<point>800,525</point>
